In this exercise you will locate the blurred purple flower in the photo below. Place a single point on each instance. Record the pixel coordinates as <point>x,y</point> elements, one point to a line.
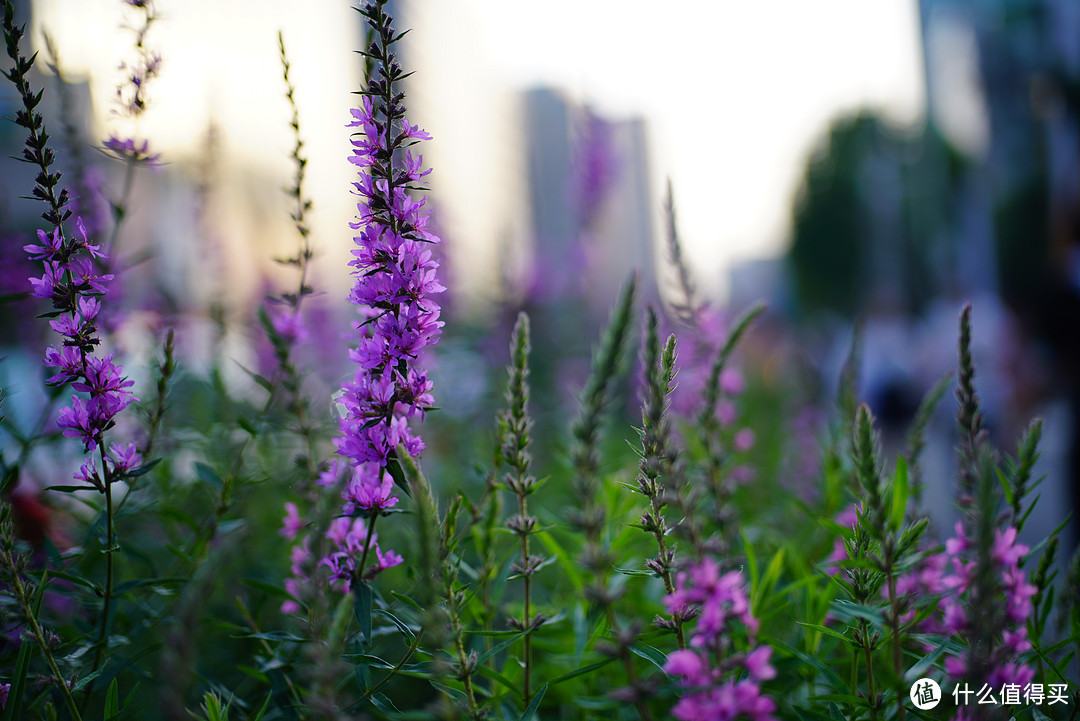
<point>131,151</point>
<point>709,669</point>
<point>292,522</point>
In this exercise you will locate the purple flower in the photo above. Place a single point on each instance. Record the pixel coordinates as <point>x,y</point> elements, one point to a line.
<point>130,151</point>
<point>125,457</point>
<point>84,276</point>
<point>49,247</point>
<point>44,287</point>
<point>75,422</point>
<point>72,285</point>
<point>395,279</point>
<point>950,575</point>
<point>66,325</point>
<point>708,669</point>
<point>332,475</point>
<point>292,523</point>
<point>388,559</point>
<point>287,323</point>
<point>367,492</point>
<point>88,307</point>
<point>688,664</point>
<point>744,440</point>
<point>69,359</point>
<point>87,473</point>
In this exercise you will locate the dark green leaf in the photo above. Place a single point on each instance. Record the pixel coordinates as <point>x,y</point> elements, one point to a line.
<point>530,712</point>
<point>362,608</point>
<point>112,701</point>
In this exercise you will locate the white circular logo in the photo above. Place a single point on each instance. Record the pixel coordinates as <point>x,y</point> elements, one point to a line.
<point>925,694</point>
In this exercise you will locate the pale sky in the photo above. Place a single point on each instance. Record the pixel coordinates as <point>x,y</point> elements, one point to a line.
<point>734,94</point>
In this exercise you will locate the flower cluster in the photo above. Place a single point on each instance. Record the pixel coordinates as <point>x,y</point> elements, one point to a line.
<point>951,575</point>
<point>74,285</point>
<point>349,537</point>
<point>395,277</point>
<point>722,606</point>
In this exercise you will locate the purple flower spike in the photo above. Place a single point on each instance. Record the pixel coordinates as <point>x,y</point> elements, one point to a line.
<point>73,283</point>
<point>709,668</point>
<point>395,281</point>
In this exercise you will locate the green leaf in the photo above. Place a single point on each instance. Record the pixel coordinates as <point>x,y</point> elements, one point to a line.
<point>362,609</point>
<point>262,711</point>
<point>826,630</point>
<point>919,669</point>
<point>88,678</point>
<point>123,588</point>
<point>900,491</point>
<point>824,670</point>
<point>530,712</point>
<point>1006,487</point>
<point>394,468</point>
<point>497,648</point>
<point>846,611</point>
<point>751,559</point>
<point>408,601</point>
<point>500,679</point>
<point>112,701</point>
<point>401,625</point>
<point>384,704</point>
<point>274,636</point>
<point>78,580</point>
<point>579,671</point>
<point>143,469</point>
<point>841,698</point>
<point>565,560</point>
<point>635,572</point>
<point>208,475</point>
<point>650,653</point>
<point>13,709</point>
<point>763,590</point>
<point>269,588</point>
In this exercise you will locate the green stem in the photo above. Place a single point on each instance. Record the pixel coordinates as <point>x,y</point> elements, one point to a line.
<point>367,544</point>
<point>854,673</point>
<point>669,585</point>
<point>628,665</point>
<point>110,545</point>
<point>413,645</point>
<point>897,651</point>
<point>526,614</point>
<point>39,636</point>
<point>871,693</point>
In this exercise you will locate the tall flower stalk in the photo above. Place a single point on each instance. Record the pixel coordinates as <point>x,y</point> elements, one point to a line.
<point>281,317</point>
<point>74,286</point>
<point>591,516</point>
<point>514,425</point>
<point>655,467</point>
<point>395,279</point>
